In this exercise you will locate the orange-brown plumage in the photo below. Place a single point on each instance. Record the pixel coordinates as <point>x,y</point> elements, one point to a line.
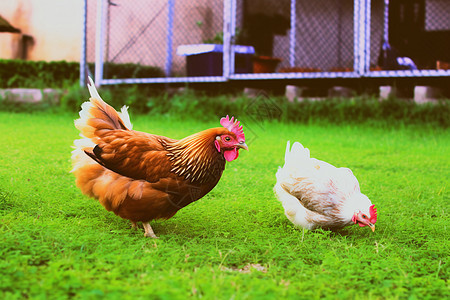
<point>141,176</point>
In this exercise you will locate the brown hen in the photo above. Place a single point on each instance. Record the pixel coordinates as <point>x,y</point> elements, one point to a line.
<point>141,176</point>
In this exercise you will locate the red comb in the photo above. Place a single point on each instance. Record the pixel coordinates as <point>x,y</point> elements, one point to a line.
<point>373,214</point>
<point>233,126</point>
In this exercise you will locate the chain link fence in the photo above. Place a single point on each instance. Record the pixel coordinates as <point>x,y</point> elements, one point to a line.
<point>141,36</point>
<point>182,41</point>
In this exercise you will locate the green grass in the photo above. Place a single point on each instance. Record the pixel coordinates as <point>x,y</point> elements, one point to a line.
<point>57,243</point>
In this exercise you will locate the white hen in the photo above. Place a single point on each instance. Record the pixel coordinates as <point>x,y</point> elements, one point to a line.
<point>316,194</point>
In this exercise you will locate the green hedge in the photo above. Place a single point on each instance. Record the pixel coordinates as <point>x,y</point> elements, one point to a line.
<point>112,70</point>
<point>197,105</point>
<point>37,74</point>
<point>59,74</point>
<point>144,99</point>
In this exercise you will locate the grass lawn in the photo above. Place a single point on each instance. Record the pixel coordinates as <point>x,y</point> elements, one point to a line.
<point>235,243</point>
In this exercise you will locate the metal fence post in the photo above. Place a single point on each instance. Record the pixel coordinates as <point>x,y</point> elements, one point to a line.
<point>232,35</point>
<point>367,27</point>
<point>227,6</point>
<point>356,34</point>
<point>83,46</point>
<point>386,21</point>
<point>168,66</point>
<point>361,19</point>
<point>102,6</point>
<point>292,33</point>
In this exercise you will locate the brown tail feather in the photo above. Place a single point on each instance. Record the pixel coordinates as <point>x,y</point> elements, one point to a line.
<point>107,116</point>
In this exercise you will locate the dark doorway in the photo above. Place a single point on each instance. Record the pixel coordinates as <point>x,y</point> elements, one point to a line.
<point>411,34</point>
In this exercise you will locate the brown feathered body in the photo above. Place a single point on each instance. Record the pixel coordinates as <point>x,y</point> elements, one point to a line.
<point>141,176</point>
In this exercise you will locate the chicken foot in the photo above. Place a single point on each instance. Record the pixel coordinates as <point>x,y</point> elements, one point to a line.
<point>148,230</point>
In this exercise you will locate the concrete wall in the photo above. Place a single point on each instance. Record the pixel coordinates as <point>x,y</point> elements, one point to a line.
<point>54,25</point>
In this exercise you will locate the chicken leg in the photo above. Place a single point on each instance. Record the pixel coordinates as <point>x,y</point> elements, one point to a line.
<point>148,230</point>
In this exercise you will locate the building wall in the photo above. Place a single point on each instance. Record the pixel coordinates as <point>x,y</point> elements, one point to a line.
<point>54,26</point>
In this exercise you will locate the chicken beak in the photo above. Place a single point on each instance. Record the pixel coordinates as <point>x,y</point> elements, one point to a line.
<point>372,226</point>
<point>242,145</point>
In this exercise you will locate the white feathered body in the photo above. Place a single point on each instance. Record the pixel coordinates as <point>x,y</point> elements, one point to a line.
<point>316,194</point>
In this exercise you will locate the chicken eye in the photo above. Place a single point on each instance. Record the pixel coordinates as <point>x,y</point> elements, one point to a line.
<point>227,139</point>
<point>364,216</point>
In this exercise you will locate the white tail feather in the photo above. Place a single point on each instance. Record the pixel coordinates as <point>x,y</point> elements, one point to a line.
<point>79,158</point>
<point>296,156</point>
<point>297,162</point>
<point>123,114</point>
<point>92,89</point>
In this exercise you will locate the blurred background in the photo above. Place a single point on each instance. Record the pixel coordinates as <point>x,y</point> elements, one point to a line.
<point>164,41</point>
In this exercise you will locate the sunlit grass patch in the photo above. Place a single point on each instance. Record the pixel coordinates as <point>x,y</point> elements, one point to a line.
<point>236,241</point>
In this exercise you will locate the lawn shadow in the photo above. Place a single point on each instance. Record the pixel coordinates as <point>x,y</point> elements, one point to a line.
<point>340,232</point>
